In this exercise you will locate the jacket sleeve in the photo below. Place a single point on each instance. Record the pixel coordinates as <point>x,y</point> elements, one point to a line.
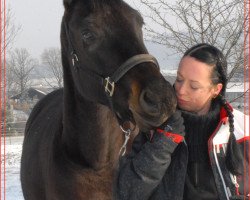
<point>143,169</point>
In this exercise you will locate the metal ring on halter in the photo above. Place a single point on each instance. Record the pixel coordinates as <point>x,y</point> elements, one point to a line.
<point>74,58</point>
<point>125,131</point>
<point>127,124</point>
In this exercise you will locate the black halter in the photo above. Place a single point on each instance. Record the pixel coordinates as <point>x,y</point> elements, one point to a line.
<point>103,87</point>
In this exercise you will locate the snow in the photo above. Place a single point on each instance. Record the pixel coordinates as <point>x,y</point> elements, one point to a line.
<point>169,72</point>
<point>13,149</point>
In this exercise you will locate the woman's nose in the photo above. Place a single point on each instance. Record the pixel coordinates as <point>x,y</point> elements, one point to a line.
<point>180,88</point>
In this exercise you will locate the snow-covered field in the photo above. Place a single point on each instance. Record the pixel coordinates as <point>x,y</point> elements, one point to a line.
<point>12,156</point>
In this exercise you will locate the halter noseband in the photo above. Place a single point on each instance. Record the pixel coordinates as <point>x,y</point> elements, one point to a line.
<point>109,82</point>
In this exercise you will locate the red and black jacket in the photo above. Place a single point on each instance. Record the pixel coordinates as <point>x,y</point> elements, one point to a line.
<point>156,169</point>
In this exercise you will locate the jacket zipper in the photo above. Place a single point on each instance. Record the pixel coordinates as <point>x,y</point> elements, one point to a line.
<point>220,173</point>
<point>196,174</point>
<point>212,147</point>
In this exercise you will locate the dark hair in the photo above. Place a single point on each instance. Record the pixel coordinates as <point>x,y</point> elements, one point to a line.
<point>214,57</point>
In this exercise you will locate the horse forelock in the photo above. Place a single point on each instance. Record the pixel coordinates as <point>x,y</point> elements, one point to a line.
<point>91,4</point>
<point>103,2</point>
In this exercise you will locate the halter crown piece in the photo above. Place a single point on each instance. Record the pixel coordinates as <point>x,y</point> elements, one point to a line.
<point>105,86</point>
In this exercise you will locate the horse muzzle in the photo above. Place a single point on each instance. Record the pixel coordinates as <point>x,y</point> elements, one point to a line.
<point>152,105</point>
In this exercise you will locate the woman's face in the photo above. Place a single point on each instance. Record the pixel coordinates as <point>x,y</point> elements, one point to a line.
<point>193,86</point>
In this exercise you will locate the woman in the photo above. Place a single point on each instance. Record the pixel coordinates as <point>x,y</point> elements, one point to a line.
<point>212,162</point>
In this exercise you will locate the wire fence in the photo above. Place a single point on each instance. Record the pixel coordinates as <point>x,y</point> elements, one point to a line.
<point>13,128</point>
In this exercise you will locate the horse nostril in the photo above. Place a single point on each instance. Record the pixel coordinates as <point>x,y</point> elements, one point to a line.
<point>148,98</point>
<point>148,102</point>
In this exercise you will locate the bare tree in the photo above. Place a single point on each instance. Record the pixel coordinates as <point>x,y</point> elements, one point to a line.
<point>218,22</point>
<point>10,29</point>
<point>52,59</point>
<point>20,65</point>
<point>11,88</point>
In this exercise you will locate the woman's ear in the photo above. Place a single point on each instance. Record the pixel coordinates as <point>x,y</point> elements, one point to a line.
<point>218,89</point>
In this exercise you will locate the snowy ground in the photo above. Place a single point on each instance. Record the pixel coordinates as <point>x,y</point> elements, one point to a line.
<point>13,150</point>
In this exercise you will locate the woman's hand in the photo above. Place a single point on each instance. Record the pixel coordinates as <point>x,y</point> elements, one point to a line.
<point>173,128</point>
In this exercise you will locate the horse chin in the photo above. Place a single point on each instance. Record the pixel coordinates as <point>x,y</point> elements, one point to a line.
<point>147,123</point>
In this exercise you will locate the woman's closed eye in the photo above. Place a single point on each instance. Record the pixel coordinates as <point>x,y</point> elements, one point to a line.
<point>194,87</point>
<point>179,79</point>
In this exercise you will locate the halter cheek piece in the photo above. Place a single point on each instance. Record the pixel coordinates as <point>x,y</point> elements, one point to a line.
<point>105,86</point>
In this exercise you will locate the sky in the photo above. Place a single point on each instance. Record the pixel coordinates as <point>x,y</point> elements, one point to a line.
<point>40,28</point>
<point>40,24</point>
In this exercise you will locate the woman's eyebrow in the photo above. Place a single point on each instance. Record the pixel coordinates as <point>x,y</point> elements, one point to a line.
<point>194,81</point>
<point>178,73</point>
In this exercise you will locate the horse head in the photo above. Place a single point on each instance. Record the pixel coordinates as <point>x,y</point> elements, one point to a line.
<point>102,44</point>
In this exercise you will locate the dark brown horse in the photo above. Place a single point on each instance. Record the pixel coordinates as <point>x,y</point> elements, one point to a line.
<point>73,136</point>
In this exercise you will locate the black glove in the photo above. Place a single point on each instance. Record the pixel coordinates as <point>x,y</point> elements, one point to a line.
<point>174,127</point>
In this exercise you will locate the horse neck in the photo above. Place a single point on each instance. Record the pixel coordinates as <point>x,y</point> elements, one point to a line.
<point>91,134</point>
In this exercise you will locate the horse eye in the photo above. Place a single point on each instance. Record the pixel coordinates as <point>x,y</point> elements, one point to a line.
<point>87,36</point>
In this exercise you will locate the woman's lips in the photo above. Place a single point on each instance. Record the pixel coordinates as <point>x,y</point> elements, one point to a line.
<point>182,102</point>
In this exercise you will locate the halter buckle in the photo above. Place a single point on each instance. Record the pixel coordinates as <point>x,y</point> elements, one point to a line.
<point>109,86</point>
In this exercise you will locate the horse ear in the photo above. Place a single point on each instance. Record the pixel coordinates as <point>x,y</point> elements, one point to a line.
<point>67,3</point>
